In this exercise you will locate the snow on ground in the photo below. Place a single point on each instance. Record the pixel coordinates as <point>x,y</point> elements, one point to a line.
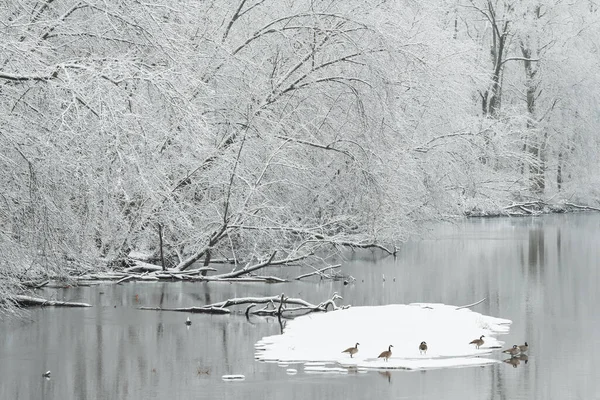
<point>318,339</point>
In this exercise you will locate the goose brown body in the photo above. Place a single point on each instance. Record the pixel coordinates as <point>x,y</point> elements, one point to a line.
<point>352,350</point>
<point>513,351</point>
<point>386,354</point>
<point>524,347</point>
<point>478,342</point>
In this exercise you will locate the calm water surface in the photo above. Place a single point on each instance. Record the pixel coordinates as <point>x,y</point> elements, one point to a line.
<point>542,273</point>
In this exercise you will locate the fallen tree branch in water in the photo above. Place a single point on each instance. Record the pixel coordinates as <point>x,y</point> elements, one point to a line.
<point>474,304</point>
<point>587,208</point>
<point>142,271</point>
<point>270,309</point>
<point>318,272</point>
<point>36,285</point>
<point>28,301</point>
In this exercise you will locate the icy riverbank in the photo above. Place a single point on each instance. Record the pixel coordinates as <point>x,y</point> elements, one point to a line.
<point>448,330</point>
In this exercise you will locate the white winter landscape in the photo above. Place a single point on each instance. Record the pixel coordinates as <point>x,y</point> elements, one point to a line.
<point>318,340</point>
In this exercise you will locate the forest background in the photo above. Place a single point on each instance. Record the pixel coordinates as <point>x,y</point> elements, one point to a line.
<point>279,131</point>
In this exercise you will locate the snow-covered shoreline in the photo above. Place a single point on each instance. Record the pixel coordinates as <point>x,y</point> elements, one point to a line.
<point>448,330</point>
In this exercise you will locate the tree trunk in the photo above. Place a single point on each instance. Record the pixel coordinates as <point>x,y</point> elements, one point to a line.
<point>536,140</point>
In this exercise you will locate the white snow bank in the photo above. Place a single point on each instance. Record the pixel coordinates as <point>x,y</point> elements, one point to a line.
<point>319,338</point>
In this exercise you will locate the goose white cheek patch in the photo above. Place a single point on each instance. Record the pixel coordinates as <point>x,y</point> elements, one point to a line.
<point>448,330</point>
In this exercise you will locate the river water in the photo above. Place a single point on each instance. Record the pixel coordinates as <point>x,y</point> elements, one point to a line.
<point>542,273</point>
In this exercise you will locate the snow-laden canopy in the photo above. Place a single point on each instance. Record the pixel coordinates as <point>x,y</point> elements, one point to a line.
<point>448,330</point>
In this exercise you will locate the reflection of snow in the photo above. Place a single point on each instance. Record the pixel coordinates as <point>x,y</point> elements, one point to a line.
<point>320,338</point>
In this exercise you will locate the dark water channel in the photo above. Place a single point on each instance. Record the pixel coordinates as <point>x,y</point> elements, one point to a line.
<point>542,273</point>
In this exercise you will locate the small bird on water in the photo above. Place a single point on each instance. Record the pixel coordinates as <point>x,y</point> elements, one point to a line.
<point>46,374</point>
<point>188,322</point>
<point>352,350</point>
<point>478,342</point>
<point>386,354</point>
<point>423,348</point>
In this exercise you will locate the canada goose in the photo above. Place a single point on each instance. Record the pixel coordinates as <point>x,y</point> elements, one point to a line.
<point>478,342</point>
<point>46,374</point>
<point>423,348</point>
<point>524,347</point>
<point>386,354</point>
<point>352,350</point>
<point>512,351</point>
<point>188,321</point>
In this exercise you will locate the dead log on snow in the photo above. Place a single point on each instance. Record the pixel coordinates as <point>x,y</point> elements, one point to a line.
<point>28,301</point>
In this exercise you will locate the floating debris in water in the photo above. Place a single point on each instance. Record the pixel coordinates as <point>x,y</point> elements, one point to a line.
<point>291,371</point>
<point>233,377</point>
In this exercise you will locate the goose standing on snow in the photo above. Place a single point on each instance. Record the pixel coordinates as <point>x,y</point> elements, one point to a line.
<point>478,342</point>
<point>386,354</point>
<point>352,350</point>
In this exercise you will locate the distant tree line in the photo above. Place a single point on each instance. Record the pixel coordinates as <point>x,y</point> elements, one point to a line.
<point>259,129</point>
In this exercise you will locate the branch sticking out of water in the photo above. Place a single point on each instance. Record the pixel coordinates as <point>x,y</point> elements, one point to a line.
<point>275,305</point>
<point>319,272</point>
<point>474,304</point>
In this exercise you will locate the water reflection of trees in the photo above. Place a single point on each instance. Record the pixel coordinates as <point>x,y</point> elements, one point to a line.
<point>537,251</point>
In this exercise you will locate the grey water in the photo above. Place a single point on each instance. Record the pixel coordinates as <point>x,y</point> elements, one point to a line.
<point>541,272</point>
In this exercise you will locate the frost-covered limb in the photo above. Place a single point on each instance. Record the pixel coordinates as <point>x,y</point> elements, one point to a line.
<point>17,77</point>
<point>582,207</point>
<point>318,272</point>
<point>321,237</point>
<point>269,261</point>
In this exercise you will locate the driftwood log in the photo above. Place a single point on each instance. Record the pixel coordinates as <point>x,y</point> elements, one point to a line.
<point>274,305</point>
<point>28,301</point>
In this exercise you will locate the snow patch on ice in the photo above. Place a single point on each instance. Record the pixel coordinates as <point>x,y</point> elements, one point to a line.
<point>318,339</point>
